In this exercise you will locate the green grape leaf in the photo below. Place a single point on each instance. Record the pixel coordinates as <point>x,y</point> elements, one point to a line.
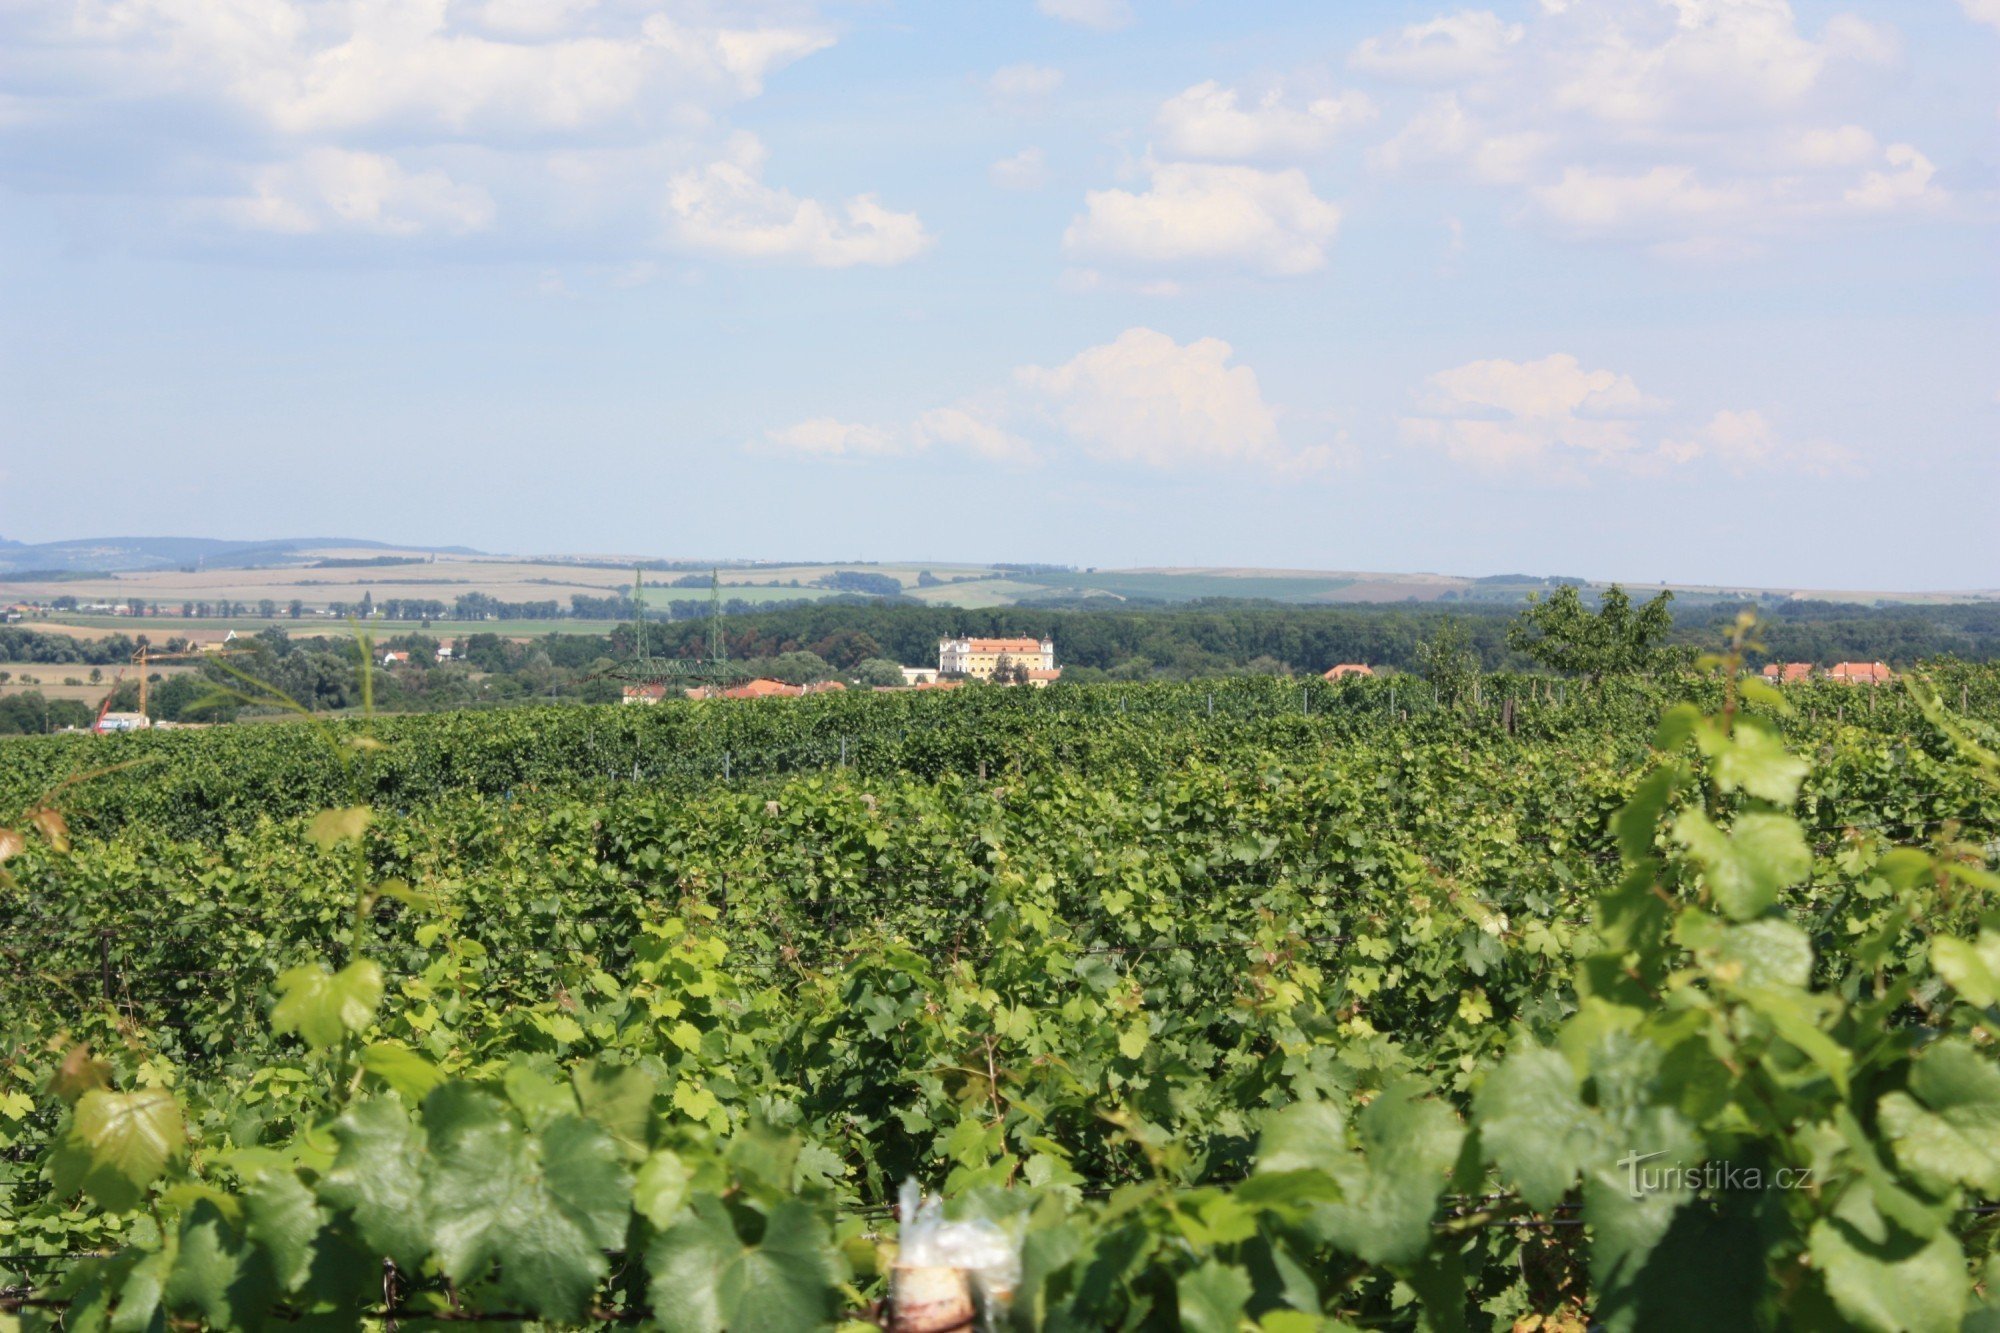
<point>1894,1283</point>
<point>323,1007</point>
<point>661,1188</point>
<point>1212,1297</point>
<point>706,1280</point>
<point>1791,1014</point>
<point>117,1144</point>
<point>377,1175</point>
<point>332,827</point>
<point>140,1293</point>
<point>1534,1127</point>
<point>1677,724</point>
<point>1769,952</point>
<point>1753,759</point>
<point>1748,865</point>
<point>1305,1136</point>
<point>543,1207</point>
<point>1409,1144</point>
<point>1971,966</point>
<point>401,1068</point>
<point>621,1101</point>
<point>284,1219</point>
<point>212,1273</point>
<point>1949,1130</point>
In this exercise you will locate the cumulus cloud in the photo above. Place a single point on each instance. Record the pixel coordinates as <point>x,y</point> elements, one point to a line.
<point>1267,221</point>
<point>419,66</point>
<point>1554,420</point>
<point>1907,181</point>
<point>331,189</point>
<point>726,208</point>
<point>556,120</point>
<point>1531,417</point>
<point>1698,128</point>
<point>1145,399</point>
<point>1451,46</point>
<point>1982,11</point>
<point>1020,82</point>
<point>1715,60</point>
<point>824,437</point>
<point>1444,135</point>
<point>974,429</point>
<point>1209,121</point>
<point>1025,170</point>
<point>1745,441</point>
<point>1140,400</point>
<point>1103,15</point>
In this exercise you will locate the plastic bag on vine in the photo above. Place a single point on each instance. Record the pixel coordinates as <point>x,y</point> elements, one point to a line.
<point>942,1265</point>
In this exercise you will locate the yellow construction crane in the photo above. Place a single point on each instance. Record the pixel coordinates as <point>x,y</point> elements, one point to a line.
<point>146,656</point>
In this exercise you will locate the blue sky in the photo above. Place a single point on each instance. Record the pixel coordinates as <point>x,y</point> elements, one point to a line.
<point>1701,290</point>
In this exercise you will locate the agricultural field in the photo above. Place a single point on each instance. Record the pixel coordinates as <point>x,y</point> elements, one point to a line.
<point>1215,1005</point>
<point>321,577</point>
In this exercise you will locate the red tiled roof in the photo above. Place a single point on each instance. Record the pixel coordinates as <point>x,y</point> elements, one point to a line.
<point>1866,673</point>
<point>1044,673</point>
<point>1348,669</point>
<point>1787,672</point>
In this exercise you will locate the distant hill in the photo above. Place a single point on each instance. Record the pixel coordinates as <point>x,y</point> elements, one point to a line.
<point>321,570</point>
<point>105,555</point>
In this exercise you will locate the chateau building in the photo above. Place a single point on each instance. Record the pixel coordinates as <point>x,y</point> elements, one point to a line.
<point>978,658</point>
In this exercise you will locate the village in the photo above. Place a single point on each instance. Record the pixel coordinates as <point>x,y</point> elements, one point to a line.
<point>996,661</point>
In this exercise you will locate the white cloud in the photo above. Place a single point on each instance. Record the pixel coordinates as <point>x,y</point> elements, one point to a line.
<point>1452,46</point>
<point>724,208</point>
<point>1982,11</point>
<point>1546,417</point>
<point>1145,399</point>
<point>1020,82</point>
<point>1745,441</point>
<point>1103,15</point>
<point>1142,400</point>
<point>1844,146</point>
<point>1713,61</point>
<point>966,427</point>
<point>824,437</point>
<point>1443,134</point>
<point>1601,201</point>
<point>1270,221</point>
<point>1700,129</point>
<point>331,189</point>
<point>1907,183</point>
<point>1553,420</point>
<point>1025,170</point>
<point>500,68</point>
<point>568,112</point>
<point>1207,121</point>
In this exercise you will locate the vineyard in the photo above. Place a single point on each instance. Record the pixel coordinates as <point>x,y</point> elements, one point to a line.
<point>1641,1004</point>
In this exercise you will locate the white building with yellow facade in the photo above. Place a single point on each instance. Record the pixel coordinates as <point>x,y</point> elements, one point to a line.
<point>979,658</point>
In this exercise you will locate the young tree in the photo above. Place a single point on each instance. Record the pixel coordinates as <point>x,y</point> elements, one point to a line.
<point>1563,635</point>
<point>878,671</point>
<point>1449,662</point>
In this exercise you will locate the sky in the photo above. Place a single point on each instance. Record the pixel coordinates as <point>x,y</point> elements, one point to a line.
<point>1692,290</point>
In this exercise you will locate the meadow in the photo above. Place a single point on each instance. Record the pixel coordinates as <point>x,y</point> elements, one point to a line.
<point>1216,1005</point>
